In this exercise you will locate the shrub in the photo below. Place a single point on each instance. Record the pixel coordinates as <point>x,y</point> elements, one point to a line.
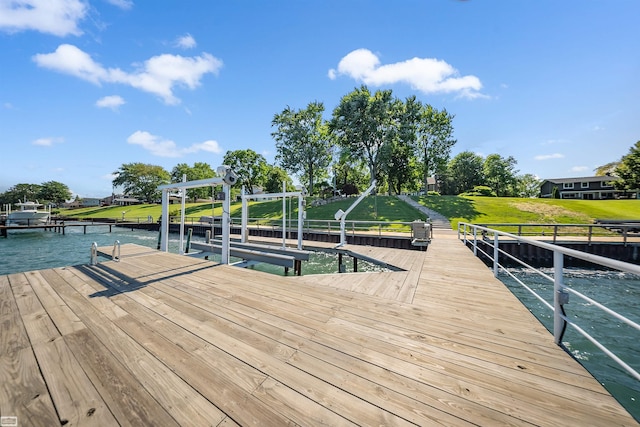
<point>480,190</point>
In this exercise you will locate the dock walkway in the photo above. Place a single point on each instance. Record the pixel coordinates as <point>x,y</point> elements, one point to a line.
<point>162,339</point>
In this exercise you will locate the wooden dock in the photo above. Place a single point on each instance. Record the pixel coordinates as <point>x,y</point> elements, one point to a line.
<point>162,339</point>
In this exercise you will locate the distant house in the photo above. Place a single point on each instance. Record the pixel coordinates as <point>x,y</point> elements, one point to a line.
<point>123,200</point>
<point>586,188</point>
<point>89,202</point>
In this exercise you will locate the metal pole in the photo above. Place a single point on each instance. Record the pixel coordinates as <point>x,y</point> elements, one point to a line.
<point>164,224</point>
<point>284,214</point>
<point>182,203</point>
<point>496,254</point>
<point>560,296</point>
<point>226,222</point>
<point>245,217</point>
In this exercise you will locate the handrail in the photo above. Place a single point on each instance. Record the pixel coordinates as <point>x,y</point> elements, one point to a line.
<point>555,230</point>
<point>481,236</point>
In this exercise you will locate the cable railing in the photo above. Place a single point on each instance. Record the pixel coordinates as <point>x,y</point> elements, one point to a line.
<point>616,231</point>
<point>485,241</point>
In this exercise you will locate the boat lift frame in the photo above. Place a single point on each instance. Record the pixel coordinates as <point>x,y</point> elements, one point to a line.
<point>301,214</point>
<point>226,183</point>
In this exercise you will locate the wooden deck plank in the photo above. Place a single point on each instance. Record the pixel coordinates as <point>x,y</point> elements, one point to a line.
<point>75,398</point>
<point>441,343</point>
<point>23,391</point>
<point>176,395</point>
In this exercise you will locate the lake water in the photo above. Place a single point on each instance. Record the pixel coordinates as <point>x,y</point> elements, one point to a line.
<point>36,250</point>
<point>619,292</point>
<point>26,251</point>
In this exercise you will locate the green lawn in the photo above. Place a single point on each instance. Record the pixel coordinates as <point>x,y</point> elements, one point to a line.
<point>372,208</point>
<point>493,210</point>
<point>483,210</point>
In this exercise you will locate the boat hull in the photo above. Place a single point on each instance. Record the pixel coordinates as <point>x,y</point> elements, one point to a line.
<point>27,218</point>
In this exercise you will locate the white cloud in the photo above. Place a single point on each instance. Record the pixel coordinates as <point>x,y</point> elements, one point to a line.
<point>549,156</point>
<point>48,142</point>
<point>428,75</point>
<point>579,169</point>
<point>112,101</point>
<point>186,42</point>
<point>57,17</point>
<point>158,146</point>
<point>598,128</point>
<point>157,75</point>
<point>122,4</point>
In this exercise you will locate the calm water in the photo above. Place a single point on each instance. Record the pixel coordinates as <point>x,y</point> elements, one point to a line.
<point>26,251</point>
<point>36,250</point>
<point>617,291</point>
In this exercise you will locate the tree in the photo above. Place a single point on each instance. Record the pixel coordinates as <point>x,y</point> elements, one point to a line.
<point>464,172</point>
<point>54,192</point>
<point>21,192</point>
<point>434,131</point>
<point>199,170</point>
<point>250,167</point>
<point>364,123</point>
<point>141,180</point>
<point>302,142</point>
<point>399,160</point>
<point>628,171</point>
<point>606,169</point>
<point>499,173</point>
<point>275,176</point>
<point>527,185</point>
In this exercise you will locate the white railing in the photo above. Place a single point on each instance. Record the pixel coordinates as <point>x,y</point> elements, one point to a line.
<point>485,241</point>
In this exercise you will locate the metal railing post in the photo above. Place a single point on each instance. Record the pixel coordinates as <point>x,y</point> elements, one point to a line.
<point>496,253</point>
<point>475,241</point>
<point>560,296</point>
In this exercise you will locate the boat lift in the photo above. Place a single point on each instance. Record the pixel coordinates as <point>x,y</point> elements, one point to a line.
<point>301,213</point>
<point>227,178</point>
<point>342,215</point>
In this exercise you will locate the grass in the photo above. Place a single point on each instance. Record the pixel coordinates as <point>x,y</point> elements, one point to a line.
<point>482,210</point>
<point>372,208</point>
<point>494,210</point>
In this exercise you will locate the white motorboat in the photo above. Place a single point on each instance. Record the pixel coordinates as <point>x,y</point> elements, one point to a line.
<point>29,214</point>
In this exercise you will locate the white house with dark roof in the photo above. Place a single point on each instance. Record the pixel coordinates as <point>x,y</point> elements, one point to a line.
<point>591,188</point>
<point>586,188</point>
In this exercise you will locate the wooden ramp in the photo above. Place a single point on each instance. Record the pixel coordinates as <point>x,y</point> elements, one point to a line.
<point>161,339</point>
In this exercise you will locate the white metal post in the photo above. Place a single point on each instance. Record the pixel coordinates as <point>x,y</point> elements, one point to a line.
<point>300,219</point>
<point>558,292</point>
<point>475,241</point>
<point>284,214</point>
<point>183,198</point>
<point>245,218</point>
<point>496,254</point>
<point>164,224</point>
<point>226,223</point>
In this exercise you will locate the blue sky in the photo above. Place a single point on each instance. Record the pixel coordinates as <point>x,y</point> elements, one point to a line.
<point>86,86</point>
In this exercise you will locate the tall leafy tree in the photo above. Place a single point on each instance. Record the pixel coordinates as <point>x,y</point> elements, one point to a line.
<point>21,192</point>
<point>141,180</point>
<point>434,138</point>
<point>364,123</point>
<point>499,173</point>
<point>250,167</point>
<point>465,172</point>
<point>607,169</point>
<point>527,185</point>
<point>54,192</point>
<point>275,176</point>
<point>199,170</point>
<point>628,171</point>
<point>302,143</point>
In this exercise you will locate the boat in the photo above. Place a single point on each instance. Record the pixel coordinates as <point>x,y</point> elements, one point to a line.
<point>29,214</point>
